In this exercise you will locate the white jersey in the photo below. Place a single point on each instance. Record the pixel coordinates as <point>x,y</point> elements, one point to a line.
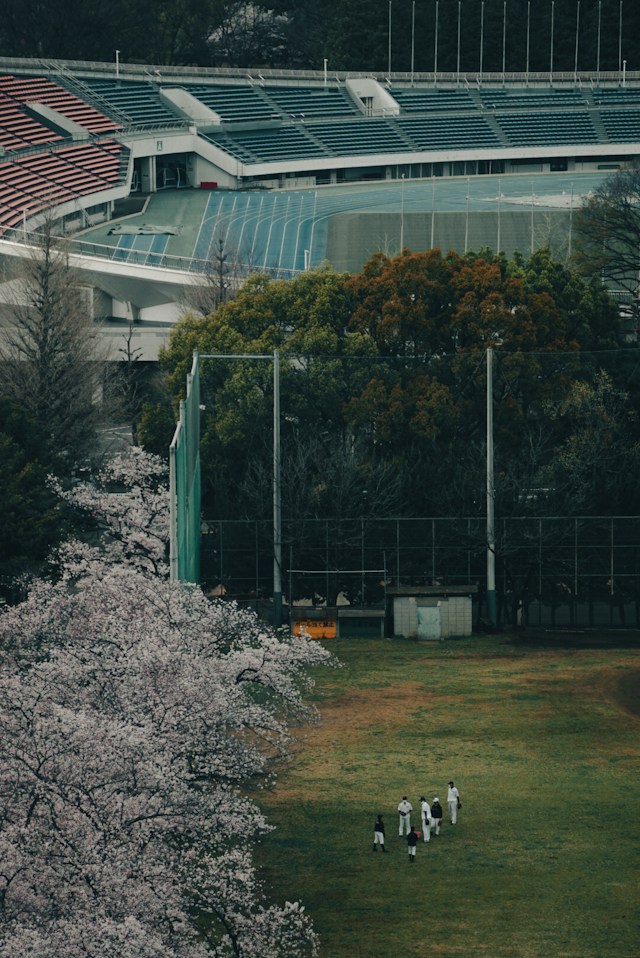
<point>425,811</point>
<point>405,807</point>
<point>452,794</point>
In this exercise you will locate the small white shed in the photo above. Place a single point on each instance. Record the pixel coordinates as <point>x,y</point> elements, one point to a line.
<point>432,612</point>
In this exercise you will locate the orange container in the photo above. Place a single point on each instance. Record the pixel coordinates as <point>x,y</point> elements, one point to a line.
<point>316,628</point>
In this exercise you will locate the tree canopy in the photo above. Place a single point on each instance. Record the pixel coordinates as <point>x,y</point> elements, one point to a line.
<point>51,362</point>
<point>384,382</point>
<point>31,520</point>
<point>474,34</point>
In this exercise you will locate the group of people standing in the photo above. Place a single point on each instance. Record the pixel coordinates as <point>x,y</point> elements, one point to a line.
<point>430,816</point>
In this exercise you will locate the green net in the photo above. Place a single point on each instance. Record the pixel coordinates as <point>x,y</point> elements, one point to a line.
<point>184,473</point>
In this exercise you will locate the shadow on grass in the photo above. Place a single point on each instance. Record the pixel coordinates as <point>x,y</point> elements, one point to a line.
<point>575,638</point>
<point>626,691</point>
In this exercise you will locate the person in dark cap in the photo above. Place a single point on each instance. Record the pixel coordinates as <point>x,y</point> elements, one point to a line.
<point>412,841</point>
<point>378,834</point>
<point>436,815</point>
<point>453,801</point>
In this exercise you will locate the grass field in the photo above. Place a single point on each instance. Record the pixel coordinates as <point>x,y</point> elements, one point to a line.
<point>542,741</point>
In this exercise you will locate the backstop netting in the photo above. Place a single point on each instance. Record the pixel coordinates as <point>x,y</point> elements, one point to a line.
<point>185,485</point>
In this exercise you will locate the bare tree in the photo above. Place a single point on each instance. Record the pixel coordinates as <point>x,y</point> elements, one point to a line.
<point>51,362</point>
<point>607,229</point>
<point>131,386</point>
<point>214,286</point>
<point>224,273</point>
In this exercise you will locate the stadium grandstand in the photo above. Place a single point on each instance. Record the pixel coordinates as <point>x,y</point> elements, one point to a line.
<point>148,171</point>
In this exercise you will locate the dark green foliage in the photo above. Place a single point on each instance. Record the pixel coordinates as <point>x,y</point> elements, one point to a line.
<point>31,520</point>
<point>171,32</point>
<point>156,427</point>
<point>352,35</point>
<point>383,389</point>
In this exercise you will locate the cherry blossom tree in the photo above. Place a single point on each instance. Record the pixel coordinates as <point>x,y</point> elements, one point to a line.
<point>129,502</point>
<point>136,714</point>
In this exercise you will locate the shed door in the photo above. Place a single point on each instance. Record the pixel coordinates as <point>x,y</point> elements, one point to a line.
<point>429,622</point>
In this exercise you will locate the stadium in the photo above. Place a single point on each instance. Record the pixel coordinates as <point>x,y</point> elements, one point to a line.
<point>151,175</point>
<point>161,787</point>
<point>148,172</point>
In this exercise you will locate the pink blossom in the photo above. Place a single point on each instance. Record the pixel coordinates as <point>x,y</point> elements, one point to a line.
<point>131,728</point>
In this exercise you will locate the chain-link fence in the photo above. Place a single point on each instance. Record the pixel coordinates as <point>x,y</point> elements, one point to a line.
<point>551,572</point>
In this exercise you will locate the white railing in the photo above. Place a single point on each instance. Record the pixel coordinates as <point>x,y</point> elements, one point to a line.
<point>160,73</point>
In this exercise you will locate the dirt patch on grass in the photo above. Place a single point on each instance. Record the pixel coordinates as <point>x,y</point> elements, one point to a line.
<point>622,690</point>
<point>360,709</point>
<point>363,708</point>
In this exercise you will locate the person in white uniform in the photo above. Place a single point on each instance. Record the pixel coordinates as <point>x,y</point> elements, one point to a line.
<point>453,797</point>
<point>425,814</point>
<point>404,811</point>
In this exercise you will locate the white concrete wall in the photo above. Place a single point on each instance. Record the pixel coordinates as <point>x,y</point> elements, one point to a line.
<point>201,170</point>
<point>381,101</point>
<point>187,105</point>
<point>456,617</point>
<point>405,617</point>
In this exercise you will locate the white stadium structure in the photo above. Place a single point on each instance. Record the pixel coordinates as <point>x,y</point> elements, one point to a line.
<point>148,172</point>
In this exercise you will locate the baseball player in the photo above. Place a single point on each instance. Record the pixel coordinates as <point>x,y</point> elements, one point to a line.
<point>453,796</point>
<point>404,811</point>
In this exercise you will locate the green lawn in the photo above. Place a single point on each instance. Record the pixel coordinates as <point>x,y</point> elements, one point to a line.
<point>543,743</point>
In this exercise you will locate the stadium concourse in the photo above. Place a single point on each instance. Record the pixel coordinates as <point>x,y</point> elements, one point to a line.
<point>151,173</point>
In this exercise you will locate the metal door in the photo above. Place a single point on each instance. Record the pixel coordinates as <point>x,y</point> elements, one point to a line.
<point>429,622</point>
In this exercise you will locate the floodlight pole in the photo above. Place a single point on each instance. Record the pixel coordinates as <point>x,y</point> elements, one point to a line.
<point>620,39</point>
<point>389,70</point>
<point>528,36</point>
<point>553,5</point>
<point>491,531</point>
<point>577,44</point>
<point>458,54</point>
<point>401,213</point>
<point>413,38</point>
<point>435,49</point>
<point>481,38</point>
<point>599,33</point>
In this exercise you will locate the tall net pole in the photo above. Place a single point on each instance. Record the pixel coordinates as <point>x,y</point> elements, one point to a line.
<point>491,531</point>
<point>277,515</point>
<point>185,485</point>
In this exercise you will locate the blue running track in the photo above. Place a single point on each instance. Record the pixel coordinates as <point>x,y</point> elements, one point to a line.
<point>286,231</point>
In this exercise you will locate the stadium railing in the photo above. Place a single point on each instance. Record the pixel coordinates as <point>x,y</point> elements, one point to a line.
<point>157,73</point>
